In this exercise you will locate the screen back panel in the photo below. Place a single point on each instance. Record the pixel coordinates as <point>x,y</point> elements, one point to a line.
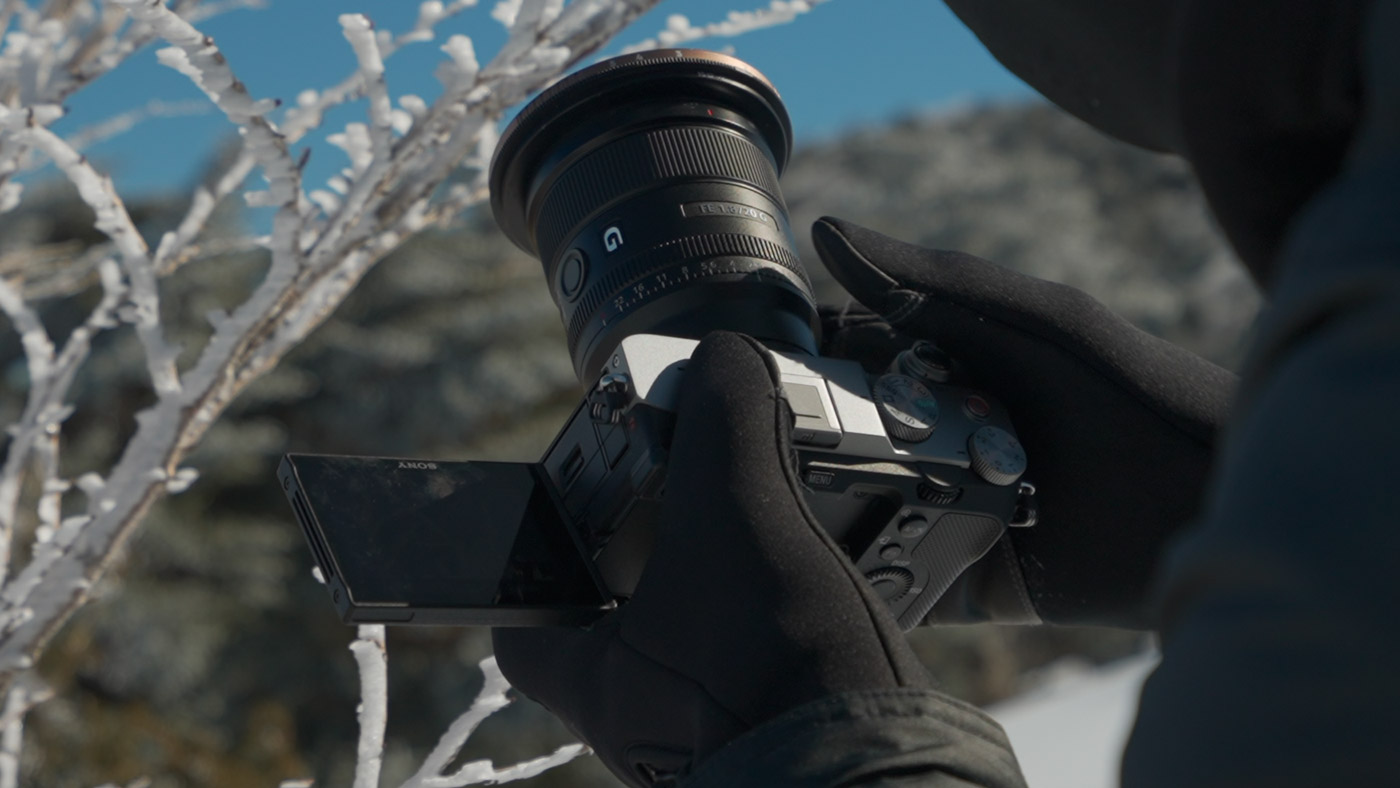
<point>427,542</point>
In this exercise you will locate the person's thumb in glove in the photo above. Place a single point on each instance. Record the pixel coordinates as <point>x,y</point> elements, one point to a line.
<point>1118,426</point>
<point>746,608</point>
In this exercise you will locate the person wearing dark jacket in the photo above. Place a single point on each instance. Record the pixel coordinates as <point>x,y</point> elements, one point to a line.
<point>1253,524</point>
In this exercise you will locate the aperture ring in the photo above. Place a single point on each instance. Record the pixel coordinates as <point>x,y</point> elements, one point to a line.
<point>690,249</point>
<point>644,159</point>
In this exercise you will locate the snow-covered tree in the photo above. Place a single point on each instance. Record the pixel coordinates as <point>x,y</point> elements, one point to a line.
<point>412,165</point>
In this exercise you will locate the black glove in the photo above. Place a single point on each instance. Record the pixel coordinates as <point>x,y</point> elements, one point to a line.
<point>746,608</point>
<point>1118,426</point>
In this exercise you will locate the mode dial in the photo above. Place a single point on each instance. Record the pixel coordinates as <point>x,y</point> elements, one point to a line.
<point>907,407</point>
<point>891,582</point>
<point>996,455</point>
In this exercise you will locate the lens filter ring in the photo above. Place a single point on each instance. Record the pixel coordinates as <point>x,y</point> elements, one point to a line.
<point>679,74</point>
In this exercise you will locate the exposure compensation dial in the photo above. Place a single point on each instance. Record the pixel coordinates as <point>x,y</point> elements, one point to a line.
<point>907,407</point>
<point>996,455</point>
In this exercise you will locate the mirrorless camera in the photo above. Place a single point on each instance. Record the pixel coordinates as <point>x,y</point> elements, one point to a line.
<point>647,185</point>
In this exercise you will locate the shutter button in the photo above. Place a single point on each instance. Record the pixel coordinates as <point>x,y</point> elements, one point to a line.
<point>977,408</point>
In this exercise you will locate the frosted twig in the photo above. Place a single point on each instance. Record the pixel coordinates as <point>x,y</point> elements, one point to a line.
<point>113,220</point>
<point>491,699</point>
<point>24,695</point>
<point>464,195</point>
<point>311,105</point>
<point>111,127</point>
<point>47,394</point>
<point>92,46</point>
<point>35,269</point>
<point>360,33</point>
<point>195,55</point>
<point>204,11</point>
<point>170,253</point>
<point>38,352</point>
<point>679,29</point>
<point>7,12</point>
<point>372,658</point>
<point>124,122</point>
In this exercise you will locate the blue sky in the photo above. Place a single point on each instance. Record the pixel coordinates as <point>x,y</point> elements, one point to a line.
<point>844,64</point>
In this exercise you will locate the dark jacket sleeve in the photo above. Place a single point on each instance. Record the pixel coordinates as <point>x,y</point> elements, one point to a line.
<point>1279,610</point>
<point>889,738</point>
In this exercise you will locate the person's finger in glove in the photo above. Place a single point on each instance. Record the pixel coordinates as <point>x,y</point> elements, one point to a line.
<point>746,608</point>
<point>1119,426</point>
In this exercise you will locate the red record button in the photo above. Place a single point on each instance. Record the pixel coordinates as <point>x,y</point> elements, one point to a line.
<point>977,407</point>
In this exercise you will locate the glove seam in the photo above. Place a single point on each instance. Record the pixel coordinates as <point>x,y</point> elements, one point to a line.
<point>915,303</point>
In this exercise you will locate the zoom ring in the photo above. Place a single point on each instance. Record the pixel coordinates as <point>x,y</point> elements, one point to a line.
<point>672,253</point>
<point>640,160</point>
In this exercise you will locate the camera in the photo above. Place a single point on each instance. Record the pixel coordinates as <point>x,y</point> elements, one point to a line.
<point>647,186</point>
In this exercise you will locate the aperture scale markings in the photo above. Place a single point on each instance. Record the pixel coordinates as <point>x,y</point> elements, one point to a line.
<point>635,293</point>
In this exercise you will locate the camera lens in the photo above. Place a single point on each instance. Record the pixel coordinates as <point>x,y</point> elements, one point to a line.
<point>647,185</point>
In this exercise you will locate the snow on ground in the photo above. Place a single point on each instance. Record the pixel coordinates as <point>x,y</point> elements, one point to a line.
<point>1069,731</point>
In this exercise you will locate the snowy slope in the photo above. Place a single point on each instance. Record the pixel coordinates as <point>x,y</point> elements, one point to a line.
<point>1069,732</point>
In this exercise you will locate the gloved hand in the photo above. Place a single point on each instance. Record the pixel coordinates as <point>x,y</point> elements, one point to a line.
<point>746,608</point>
<point>1119,426</point>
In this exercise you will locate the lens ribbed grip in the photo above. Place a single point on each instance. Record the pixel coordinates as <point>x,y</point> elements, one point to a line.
<point>638,160</point>
<point>673,253</point>
<point>954,543</point>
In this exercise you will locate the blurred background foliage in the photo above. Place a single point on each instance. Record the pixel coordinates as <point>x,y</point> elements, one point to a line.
<point>213,658</point>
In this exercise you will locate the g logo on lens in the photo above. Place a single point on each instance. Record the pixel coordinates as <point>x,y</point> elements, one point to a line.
<point>631,142</point>
<point>612,238</point>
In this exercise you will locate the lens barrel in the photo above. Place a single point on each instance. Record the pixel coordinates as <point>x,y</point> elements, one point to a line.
<point>647,185</point>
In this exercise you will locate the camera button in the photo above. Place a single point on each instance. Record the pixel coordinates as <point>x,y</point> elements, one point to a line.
<point>891,551</point>
<point>572,271</point>
<point>913,526</point>
<point>977,408</point>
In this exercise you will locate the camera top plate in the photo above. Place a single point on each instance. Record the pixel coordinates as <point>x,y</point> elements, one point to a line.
<point>831,399</point>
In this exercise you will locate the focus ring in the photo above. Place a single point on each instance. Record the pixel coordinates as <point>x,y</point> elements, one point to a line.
<point>639,160</point>
<point>692,248</point>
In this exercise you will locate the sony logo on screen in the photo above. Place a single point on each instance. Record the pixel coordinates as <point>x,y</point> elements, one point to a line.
<point>417,466</point>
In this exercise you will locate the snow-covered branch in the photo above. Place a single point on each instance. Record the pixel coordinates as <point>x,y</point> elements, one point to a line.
<point>490,700</point>
<point>317,258</point>
<point>680,30</point>
<point>372,657</point>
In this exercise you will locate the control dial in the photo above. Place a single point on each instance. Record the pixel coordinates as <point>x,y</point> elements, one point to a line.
<point>996,455</point>
<point>907,408</point>
<point>891,582</point>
